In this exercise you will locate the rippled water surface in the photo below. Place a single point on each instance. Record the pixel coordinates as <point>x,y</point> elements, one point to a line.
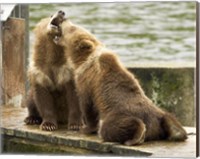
<point>139,32</point>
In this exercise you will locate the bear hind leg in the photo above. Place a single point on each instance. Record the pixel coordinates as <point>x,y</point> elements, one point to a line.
<point>139,134</point>
<point>74,117</point>
<point>123,128</point>
<point>45,105</point>
<point>90,121</point>
<point>33,114</point>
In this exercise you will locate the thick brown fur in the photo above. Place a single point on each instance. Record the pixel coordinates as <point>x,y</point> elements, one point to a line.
<point>110,93</point>
<point>52,98</point>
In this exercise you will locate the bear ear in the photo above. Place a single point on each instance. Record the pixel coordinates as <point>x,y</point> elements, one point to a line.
<point>84,46</point>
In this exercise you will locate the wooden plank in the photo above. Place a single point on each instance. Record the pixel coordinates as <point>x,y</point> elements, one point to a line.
<point>13,60</point>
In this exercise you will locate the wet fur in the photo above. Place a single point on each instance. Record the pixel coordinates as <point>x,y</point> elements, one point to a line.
<point>110,93</point>
<point>52,98</point>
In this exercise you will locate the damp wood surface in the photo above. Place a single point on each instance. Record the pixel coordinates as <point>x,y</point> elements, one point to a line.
<point>12,126</point>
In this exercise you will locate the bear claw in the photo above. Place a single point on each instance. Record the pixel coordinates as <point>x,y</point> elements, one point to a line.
<point>48,126</point>
<point>30,120</point>
<point>74,127</point>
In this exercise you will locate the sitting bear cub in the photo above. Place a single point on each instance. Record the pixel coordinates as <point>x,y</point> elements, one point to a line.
<point>111,99</point>
<point>52,98</point>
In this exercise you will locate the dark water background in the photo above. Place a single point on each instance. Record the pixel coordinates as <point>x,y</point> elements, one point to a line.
<point>139,32</point>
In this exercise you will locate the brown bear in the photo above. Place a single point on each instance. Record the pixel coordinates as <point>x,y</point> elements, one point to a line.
<point>52,98</point>
<point>110,94</point>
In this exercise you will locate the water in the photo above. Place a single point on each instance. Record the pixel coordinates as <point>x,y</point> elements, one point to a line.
<point>139,32</point>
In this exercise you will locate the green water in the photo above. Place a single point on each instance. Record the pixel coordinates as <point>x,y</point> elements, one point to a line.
<point>139,32</point>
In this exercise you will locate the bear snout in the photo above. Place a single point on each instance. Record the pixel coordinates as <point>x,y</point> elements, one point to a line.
<point>58,18</point>
<point>61,13</point>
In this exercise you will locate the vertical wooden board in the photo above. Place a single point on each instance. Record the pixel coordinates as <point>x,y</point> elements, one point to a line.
<point>13,60</point>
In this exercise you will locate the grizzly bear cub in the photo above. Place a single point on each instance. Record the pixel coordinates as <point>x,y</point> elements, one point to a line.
<point>52,98</point>
<point>110,94</point>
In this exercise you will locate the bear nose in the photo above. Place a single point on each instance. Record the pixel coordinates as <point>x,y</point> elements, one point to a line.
<point>61,12</point>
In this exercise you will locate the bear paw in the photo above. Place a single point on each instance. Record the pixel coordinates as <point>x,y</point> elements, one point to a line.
<point>74,126</point>
<point>31,120</point>
<point>48,126</point>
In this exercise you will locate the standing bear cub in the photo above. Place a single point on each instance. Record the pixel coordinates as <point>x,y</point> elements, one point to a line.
<point>112,101</point>
<point>52,98</point>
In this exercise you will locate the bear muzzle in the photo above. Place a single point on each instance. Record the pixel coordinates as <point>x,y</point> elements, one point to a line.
<point>57,19</point>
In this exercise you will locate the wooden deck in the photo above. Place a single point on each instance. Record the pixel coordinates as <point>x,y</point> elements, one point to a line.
<point>69,142</point>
